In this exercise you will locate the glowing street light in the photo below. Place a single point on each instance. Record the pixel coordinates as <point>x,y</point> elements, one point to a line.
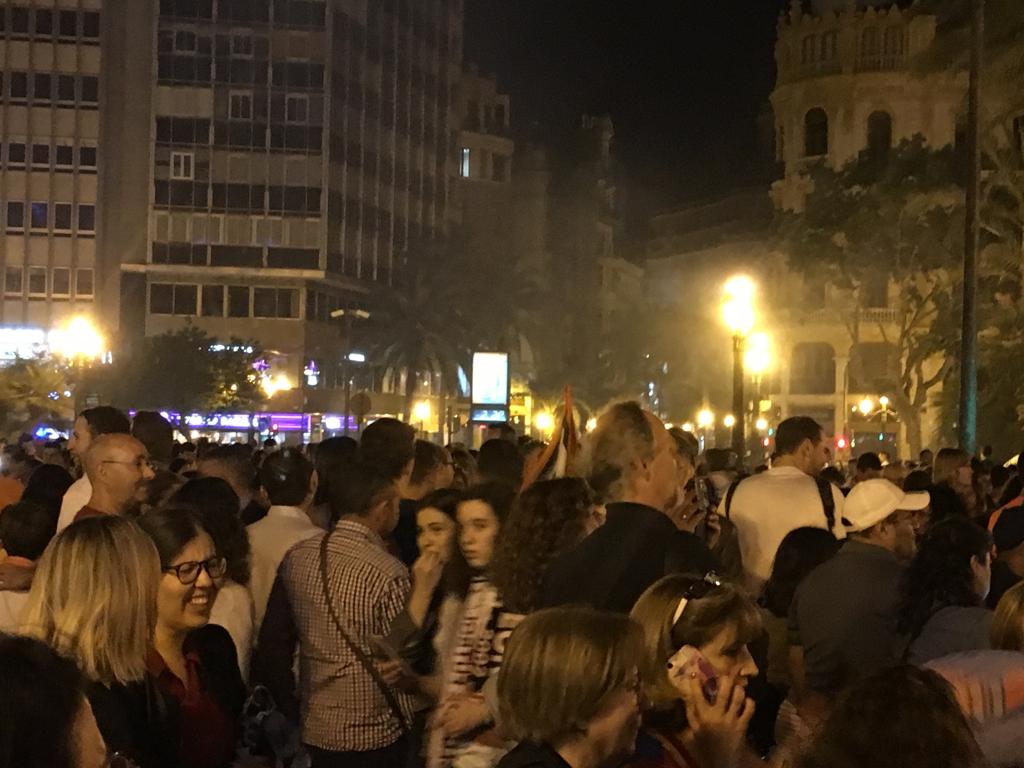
<point>688,426</point>
<point>591,424</point>
<point>545,422</point>
<point>739,316</point>
<point>421,411</point>
<point>705,419</point>
<point>883,401</point>
<point>77,340</point>
<point>729,421</point>
<point>273,384</point>
<point>866,406</point>
<point>762,424</point>
<point>757,357</point>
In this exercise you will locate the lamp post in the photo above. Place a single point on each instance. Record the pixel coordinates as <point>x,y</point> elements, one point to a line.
<point>349,315</point>
<point>738,314</point>
<point>421,412</point>
<point>78,342</point>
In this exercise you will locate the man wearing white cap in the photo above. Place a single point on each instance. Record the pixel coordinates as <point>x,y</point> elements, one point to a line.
<point>842,624</point>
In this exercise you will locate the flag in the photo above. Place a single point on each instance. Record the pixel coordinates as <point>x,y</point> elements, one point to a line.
<point>557,457</point>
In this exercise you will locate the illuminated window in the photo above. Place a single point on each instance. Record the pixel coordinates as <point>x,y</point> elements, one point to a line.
<point>182,165</point>
<point>464,168</point>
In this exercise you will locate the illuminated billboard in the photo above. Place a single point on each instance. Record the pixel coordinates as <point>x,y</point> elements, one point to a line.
<point>490,387</point>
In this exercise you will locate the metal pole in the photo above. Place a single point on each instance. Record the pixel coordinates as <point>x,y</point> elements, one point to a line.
<point>345,367</point>
<point>969,335</point>
<point>738,404</point>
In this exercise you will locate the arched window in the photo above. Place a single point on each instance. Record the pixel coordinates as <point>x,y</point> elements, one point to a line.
<point>869,42</point>
<point>828,46</point>
<point>816,133</point>
<point>813,369</point>
<point>807,53</point>
<point>879,134</point>
<point>894,42</point>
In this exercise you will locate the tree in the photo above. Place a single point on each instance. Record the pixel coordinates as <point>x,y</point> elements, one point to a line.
<point>898,220</point>
<point>32,390</point>
<point>188,370</point>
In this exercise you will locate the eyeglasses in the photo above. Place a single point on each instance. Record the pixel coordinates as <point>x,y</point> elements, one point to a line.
<point>696,591</point>
<point>187,573</point>
<point>139,463</point>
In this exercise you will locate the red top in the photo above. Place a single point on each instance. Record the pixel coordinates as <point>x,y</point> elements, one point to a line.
<point>207,733</point>
<point>88,511</point>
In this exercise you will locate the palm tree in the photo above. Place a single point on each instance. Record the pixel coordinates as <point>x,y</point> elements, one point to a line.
<point>421,326</point>
<point>31,390</point>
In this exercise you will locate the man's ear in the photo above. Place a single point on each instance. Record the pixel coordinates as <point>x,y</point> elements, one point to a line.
<point>314,484</point>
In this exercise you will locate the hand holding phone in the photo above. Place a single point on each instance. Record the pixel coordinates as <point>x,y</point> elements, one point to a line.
<point>690,662</point>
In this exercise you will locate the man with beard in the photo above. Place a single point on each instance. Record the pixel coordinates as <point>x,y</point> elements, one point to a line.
<point>118,466</point>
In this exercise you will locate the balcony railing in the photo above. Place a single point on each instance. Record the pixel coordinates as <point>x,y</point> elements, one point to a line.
<point>832,316</point>
<point>880,62</point>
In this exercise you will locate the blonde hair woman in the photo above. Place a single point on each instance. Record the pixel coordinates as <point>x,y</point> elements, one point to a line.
<point>1008,624</point>
<point>93,599</point>
<point>568,689</point>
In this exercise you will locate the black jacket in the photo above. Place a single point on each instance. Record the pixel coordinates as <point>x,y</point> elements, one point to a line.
<point>612,567</point>
<point>138,721</point>
<point>528,755</point>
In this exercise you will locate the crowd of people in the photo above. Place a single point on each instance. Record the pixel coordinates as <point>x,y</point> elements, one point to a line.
<point>392,603</point>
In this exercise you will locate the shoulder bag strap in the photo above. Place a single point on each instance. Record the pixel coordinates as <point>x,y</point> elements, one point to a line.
<point>828,501</point>
<point>360,654</point>
<point>728,498</point>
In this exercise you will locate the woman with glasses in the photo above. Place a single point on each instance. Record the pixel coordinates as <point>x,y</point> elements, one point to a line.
<point>92,600</point>
<point>194,662</point>
<point>694,672</point>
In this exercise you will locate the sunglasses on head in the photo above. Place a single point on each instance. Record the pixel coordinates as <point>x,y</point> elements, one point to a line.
<point>696,591</point>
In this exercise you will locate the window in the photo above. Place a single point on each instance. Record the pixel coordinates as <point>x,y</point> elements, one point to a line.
<point>874,291</point>
<point>464,168</point>
<point>241,105</point>
<point>91,24</point>
<point>894,42</point>
<point>275,302</point>
<point>19,21</point>
<point>161,299</point>
<point>83,283</point>
<point>813,369</point>
<point>816,133</point>
<point>68,24</point>
<point>16,153</point>
<point>42,87</point>
<point>213,301</point>
<point>19,85</point>
<point>65,88</point>
<point>182,165</point>
<point>828,46</point>
<point>37,281</point>
<point>90,90</point>
<point>15,216</point>
<point>808,49</point>
<point>869,42</point>
<point>41,155</point>
<point>40,215</point>
<point>87,157</point>
<point>65,156</point>
<point>879,135</point>
<point>238,301</point>
<point>61,281</point>
<point>44,22</point>
<point>241,45</point>
<point>14,281</point>
<point>185,299</point>
<point>87,218</point>
<point>297,109</point>
<point>62,217</point>
<point>185,41</point>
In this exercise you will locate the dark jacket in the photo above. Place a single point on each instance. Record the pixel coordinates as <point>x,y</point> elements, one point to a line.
<point>219,667</point>
<point>138,721</point>
<point>527,755</point>
<point>1003,580</point>
<point>612,567</point>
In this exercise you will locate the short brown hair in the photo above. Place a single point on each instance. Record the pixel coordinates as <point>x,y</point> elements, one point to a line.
<point>561,666</point>
<point>702,620</point>
<point>1008,624</point>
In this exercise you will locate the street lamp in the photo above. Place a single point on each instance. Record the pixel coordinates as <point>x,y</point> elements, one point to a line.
<point>545,422</point>
<point>729,421</point>
<point>349,315</point>
<point>866,406</point>
<point>421,412</point>
<point>738,314</point>
<point>78,340</point>
<point>762,424</point>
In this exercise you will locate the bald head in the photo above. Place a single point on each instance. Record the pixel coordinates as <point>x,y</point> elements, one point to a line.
<point>118,468</point>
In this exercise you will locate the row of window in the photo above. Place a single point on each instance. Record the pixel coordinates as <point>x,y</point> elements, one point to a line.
<point>199,69</point>
<point>237,230</point>
<point>42,216</point>
<point>244,256</point>
<point>46,87</point>
<point>17,154</point>
<point>890,43</point>
<point>296,13</point>
<point>19,21</point>
<point>236,197</point>
<point>816,134</point>
<point>244,135</point>
<point>236,301</point>
<point>42,282</point>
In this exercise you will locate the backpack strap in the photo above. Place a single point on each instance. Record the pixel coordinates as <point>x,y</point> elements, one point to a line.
<point>728,497</point>
<point>828,501</point>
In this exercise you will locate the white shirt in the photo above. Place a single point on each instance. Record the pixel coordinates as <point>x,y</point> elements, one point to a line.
<point>12,605</point>
<point>768,506</point>
<point>233,610</point>
<point>76,497</point>
<point>270,539</point>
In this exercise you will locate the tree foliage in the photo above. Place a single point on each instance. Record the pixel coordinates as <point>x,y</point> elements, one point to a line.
<point>189,371</point>
<point>33,390</point>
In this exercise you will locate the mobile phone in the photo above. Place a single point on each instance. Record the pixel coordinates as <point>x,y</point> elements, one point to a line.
<point>688,659</point>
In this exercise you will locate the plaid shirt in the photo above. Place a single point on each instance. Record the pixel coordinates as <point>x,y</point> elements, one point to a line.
<point>342,709</point>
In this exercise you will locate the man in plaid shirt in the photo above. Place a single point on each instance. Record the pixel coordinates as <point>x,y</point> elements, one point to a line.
<point>346,718</point>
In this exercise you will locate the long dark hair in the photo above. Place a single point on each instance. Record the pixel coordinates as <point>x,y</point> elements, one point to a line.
<point>499,497</point>
<point>216,505</point>
<point>940,574</point>
<point>171,528</point>
<point>40,699</point>
<point>800,552</point>
<point>546,520</point>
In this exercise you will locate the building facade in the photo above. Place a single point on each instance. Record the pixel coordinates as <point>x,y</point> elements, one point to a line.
<point>50,179</point>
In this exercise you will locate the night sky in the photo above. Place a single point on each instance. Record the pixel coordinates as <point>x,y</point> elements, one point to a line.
<point>685,81</point>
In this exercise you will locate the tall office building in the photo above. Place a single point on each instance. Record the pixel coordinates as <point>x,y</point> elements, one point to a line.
<point>295,154</point>
<point>50,132</point>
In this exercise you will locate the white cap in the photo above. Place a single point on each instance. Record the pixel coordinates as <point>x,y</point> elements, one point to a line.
<point>871,501</point>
